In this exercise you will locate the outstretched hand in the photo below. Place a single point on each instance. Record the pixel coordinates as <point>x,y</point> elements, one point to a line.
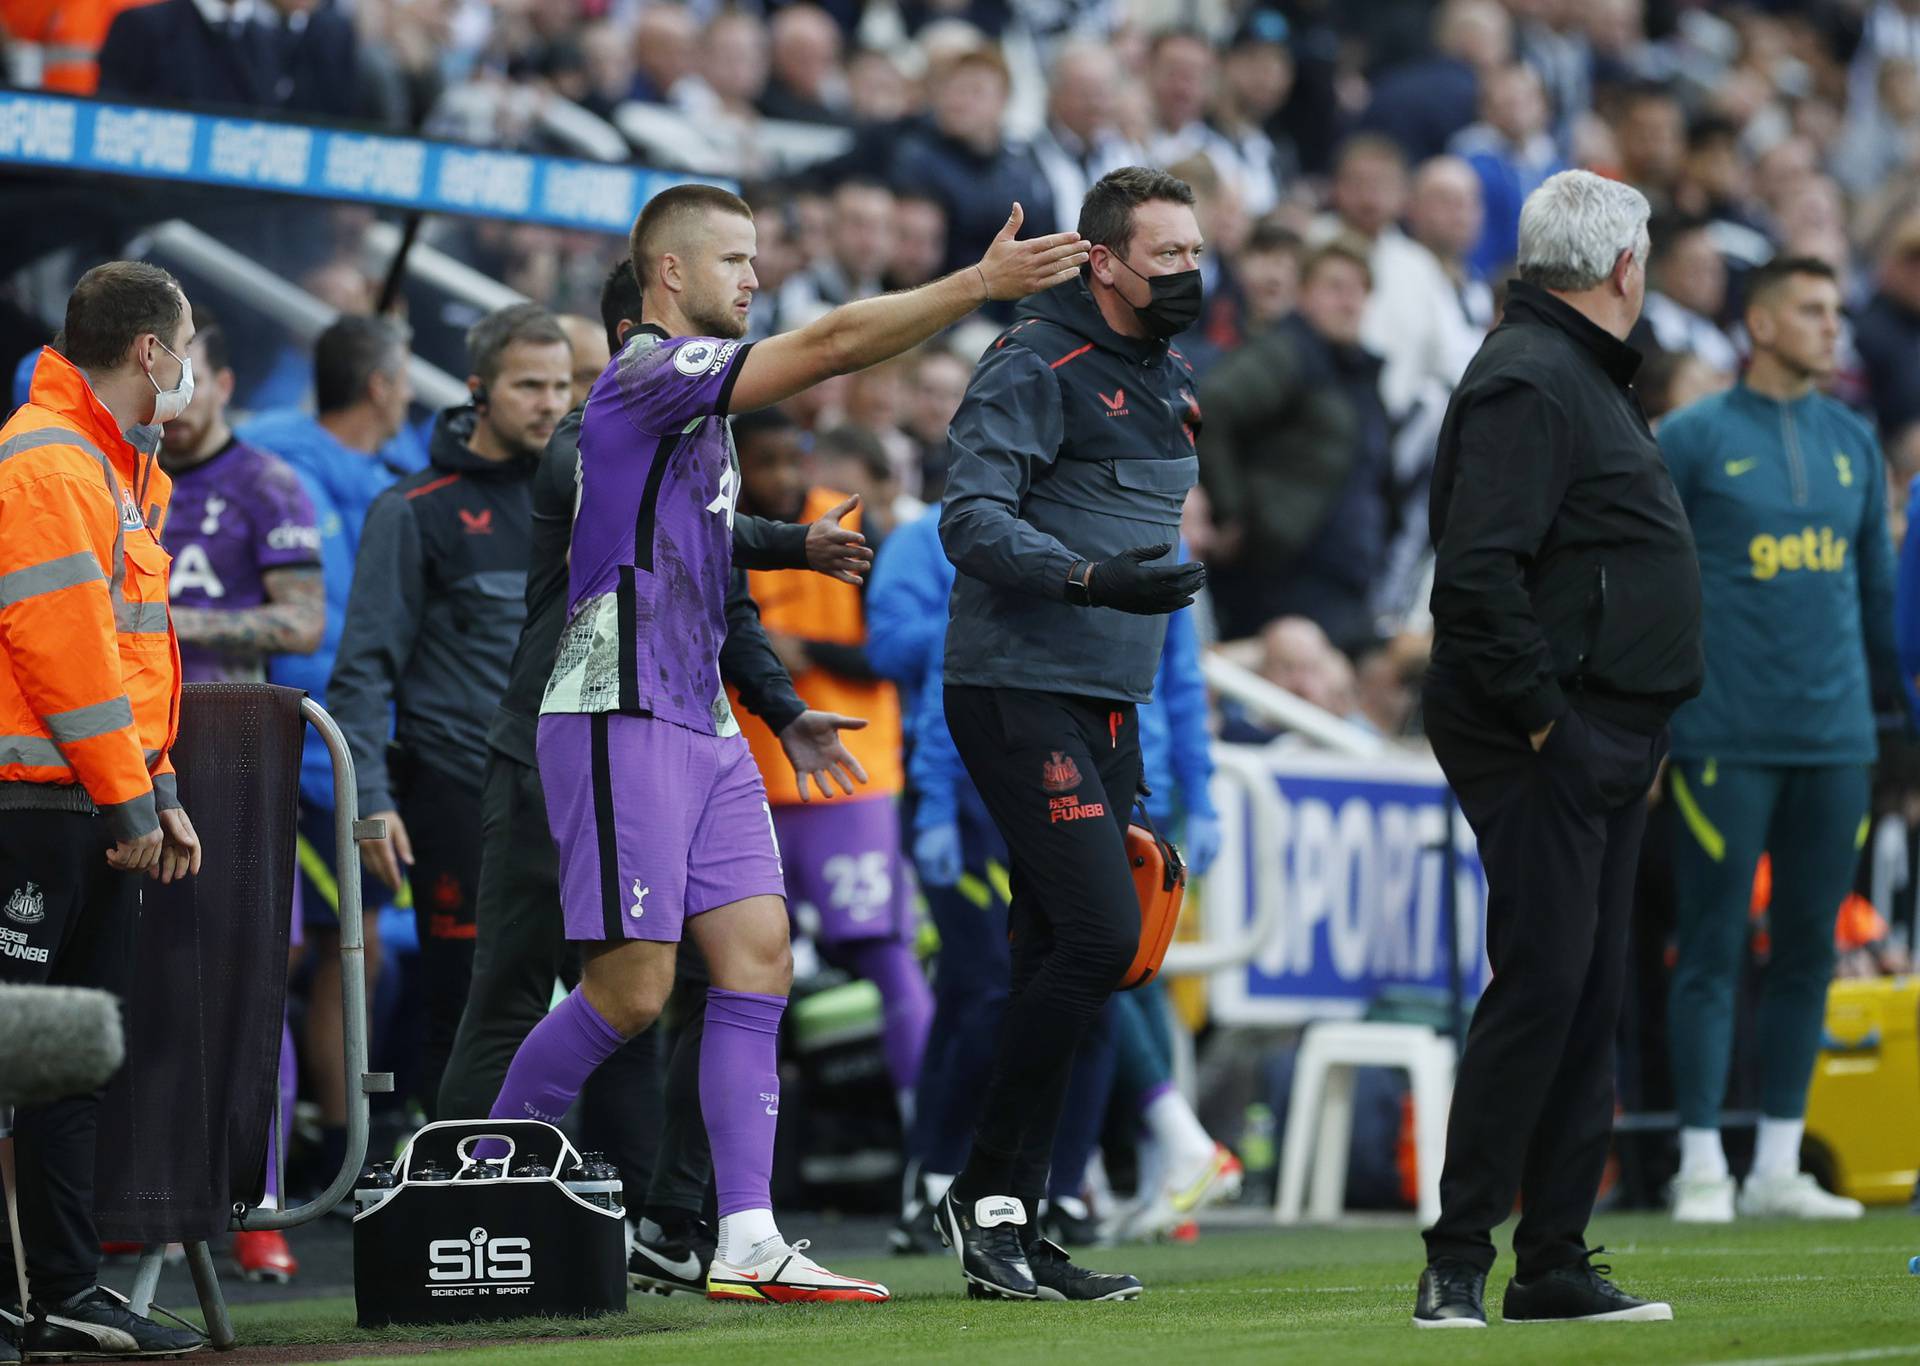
<point>813,746</point>
<point>839,552</point>
<point>1014,269</point>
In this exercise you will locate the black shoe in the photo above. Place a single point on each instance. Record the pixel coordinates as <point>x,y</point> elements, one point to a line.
<point>10,1326</point>
<point>1580,1293</point>
<point>985,1236</point>
<point>671,1259</point>
<point>98,1323</point>
<point>914,1233</point>
<point>1452,1295</point>
<point>1070,1224</point>
<point>1059,1279</point>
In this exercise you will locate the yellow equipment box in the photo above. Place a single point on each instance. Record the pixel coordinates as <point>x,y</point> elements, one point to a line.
<point>1863,1113</point>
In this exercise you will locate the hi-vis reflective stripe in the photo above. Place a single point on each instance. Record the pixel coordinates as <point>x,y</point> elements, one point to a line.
<point>50,436</point>
<point>1703,829</point>
<point>84,723</point>
<point>30,751</point>
<point>139,618</point>
<point>51,576</point>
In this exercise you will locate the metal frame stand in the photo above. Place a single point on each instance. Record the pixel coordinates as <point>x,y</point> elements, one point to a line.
<point>348,831</point>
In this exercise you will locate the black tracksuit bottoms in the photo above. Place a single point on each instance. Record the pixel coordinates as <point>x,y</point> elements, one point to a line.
<point>1058,774</point>
<point>67,920</point>
<point>1533,1097</point>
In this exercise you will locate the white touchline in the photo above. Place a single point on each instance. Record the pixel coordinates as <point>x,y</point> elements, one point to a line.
<point>1822,1358</point>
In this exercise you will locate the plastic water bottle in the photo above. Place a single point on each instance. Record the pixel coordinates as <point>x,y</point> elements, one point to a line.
<point>596,1180</point>
<point>430,1171</point>
<point>483,1170</point>
<point>1257,1156</point>
<point>532,1168</point>
<point>1913,1266</point>
<point>376,1183</point>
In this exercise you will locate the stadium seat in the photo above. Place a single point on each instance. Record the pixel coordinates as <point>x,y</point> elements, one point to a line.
<point>1320,1112</point>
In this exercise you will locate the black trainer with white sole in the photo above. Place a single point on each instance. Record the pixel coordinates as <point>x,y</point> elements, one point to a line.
<point>1059,1279</point>
<point>98,1324</point>
<point>671,1259</point>
<point>1452,1295</point>
<point>1580,1293</point>
<point>985,1236</point>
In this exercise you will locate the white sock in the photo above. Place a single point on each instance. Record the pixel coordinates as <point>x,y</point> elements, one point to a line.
<point>937,1184</point>
<point>1701,1156</point>
<point>1171,1120</point>
<point>1776,1149</point>
<point>743,1232</point>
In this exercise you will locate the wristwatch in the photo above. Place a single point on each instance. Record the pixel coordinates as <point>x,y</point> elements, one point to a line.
<point>1078,592</point>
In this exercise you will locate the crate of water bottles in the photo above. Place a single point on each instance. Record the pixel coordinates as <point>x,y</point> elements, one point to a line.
<point>488,1219</point>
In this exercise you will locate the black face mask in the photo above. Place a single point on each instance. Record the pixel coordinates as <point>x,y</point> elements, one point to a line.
<point>1175,305</point>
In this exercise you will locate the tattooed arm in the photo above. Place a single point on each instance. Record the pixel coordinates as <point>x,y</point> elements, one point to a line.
<point>289,622</point>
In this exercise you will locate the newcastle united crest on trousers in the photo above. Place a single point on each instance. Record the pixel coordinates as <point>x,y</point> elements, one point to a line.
<point>27,906</point>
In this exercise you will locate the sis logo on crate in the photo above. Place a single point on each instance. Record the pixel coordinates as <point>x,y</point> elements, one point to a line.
<point>479,1264</point>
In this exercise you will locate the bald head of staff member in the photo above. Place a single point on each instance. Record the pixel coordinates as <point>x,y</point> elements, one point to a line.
<point>1567,630</point>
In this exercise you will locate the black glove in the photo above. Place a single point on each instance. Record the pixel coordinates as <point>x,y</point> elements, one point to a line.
<point>1128,583</point>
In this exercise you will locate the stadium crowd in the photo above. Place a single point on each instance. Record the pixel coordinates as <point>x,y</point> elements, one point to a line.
<point>1358,173</point>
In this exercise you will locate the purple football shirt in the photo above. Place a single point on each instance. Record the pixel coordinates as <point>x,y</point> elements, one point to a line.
<point>234,517</point>
<point>653,537</point>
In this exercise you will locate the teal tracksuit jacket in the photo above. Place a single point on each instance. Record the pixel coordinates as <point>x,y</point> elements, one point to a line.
<point>1788,504</point>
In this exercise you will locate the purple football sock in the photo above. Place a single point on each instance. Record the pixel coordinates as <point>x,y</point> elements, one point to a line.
<point>554,1063</point>
<point>905,999</point>
<point>740,1094</point>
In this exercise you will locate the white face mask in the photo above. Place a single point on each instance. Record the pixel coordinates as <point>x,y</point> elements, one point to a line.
<point>170,403</point>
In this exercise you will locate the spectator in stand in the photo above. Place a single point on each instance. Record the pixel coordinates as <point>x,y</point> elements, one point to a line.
<point>1256,77</point>
<point>1670,380</point>
<point>607,58</point>
<point>1269,271</point>
<point>1889,330</point>
<point>939,383</point>
<point>1294,457</point>
<point>1551,40</point>
<point>229,52</point>
<point>1715,186</point>
<point>1686,296</point>
<point>1082,140</point>
<point>878,92</point>
<point>1511,151</point>
<point>876,400</point>
<point>1183,76</point>
<point>1879,140</point>
<point>587,340</point>
<point>1421,104</point>
<point>860,242</point>
<point>1650,128</point>
<point>919,241</point>
<point>362,391</point>
<point>806,83</point>
<point>723,97</point>
<point>320,66</point>
<point>1446,215</point>
<point>962,158</point>
<point>1369,195</point>
<point>666,45</point>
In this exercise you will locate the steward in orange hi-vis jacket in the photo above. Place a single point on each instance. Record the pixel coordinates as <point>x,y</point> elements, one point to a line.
<point>89,705</point>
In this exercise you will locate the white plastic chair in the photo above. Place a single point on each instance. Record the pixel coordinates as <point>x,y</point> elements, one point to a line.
<point>1320,1112</point>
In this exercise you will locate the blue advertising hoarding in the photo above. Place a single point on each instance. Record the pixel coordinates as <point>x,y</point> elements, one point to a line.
<point>1337,864</point>
<point>61,132</point>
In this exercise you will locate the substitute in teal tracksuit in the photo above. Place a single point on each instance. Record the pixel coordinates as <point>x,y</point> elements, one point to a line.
<point>1787,496</point>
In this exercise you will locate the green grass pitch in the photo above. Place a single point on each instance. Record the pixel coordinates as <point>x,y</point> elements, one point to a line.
<point>1770,1292</point>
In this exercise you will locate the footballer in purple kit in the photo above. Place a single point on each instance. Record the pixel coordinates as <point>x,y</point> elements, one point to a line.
<point>655,803</point>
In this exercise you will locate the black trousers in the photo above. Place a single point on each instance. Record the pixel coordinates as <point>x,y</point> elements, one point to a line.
<point>441,812</point>
<point>520,950</point>
<point>1058,774</point>
<point>1533,1098</point>
<point>66,919</point>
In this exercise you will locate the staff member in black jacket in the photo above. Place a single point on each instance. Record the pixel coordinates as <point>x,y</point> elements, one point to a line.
<point>521,946</point>
<point>1566,607</point>
<point>430,626</point>
<point>1070,458</point>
